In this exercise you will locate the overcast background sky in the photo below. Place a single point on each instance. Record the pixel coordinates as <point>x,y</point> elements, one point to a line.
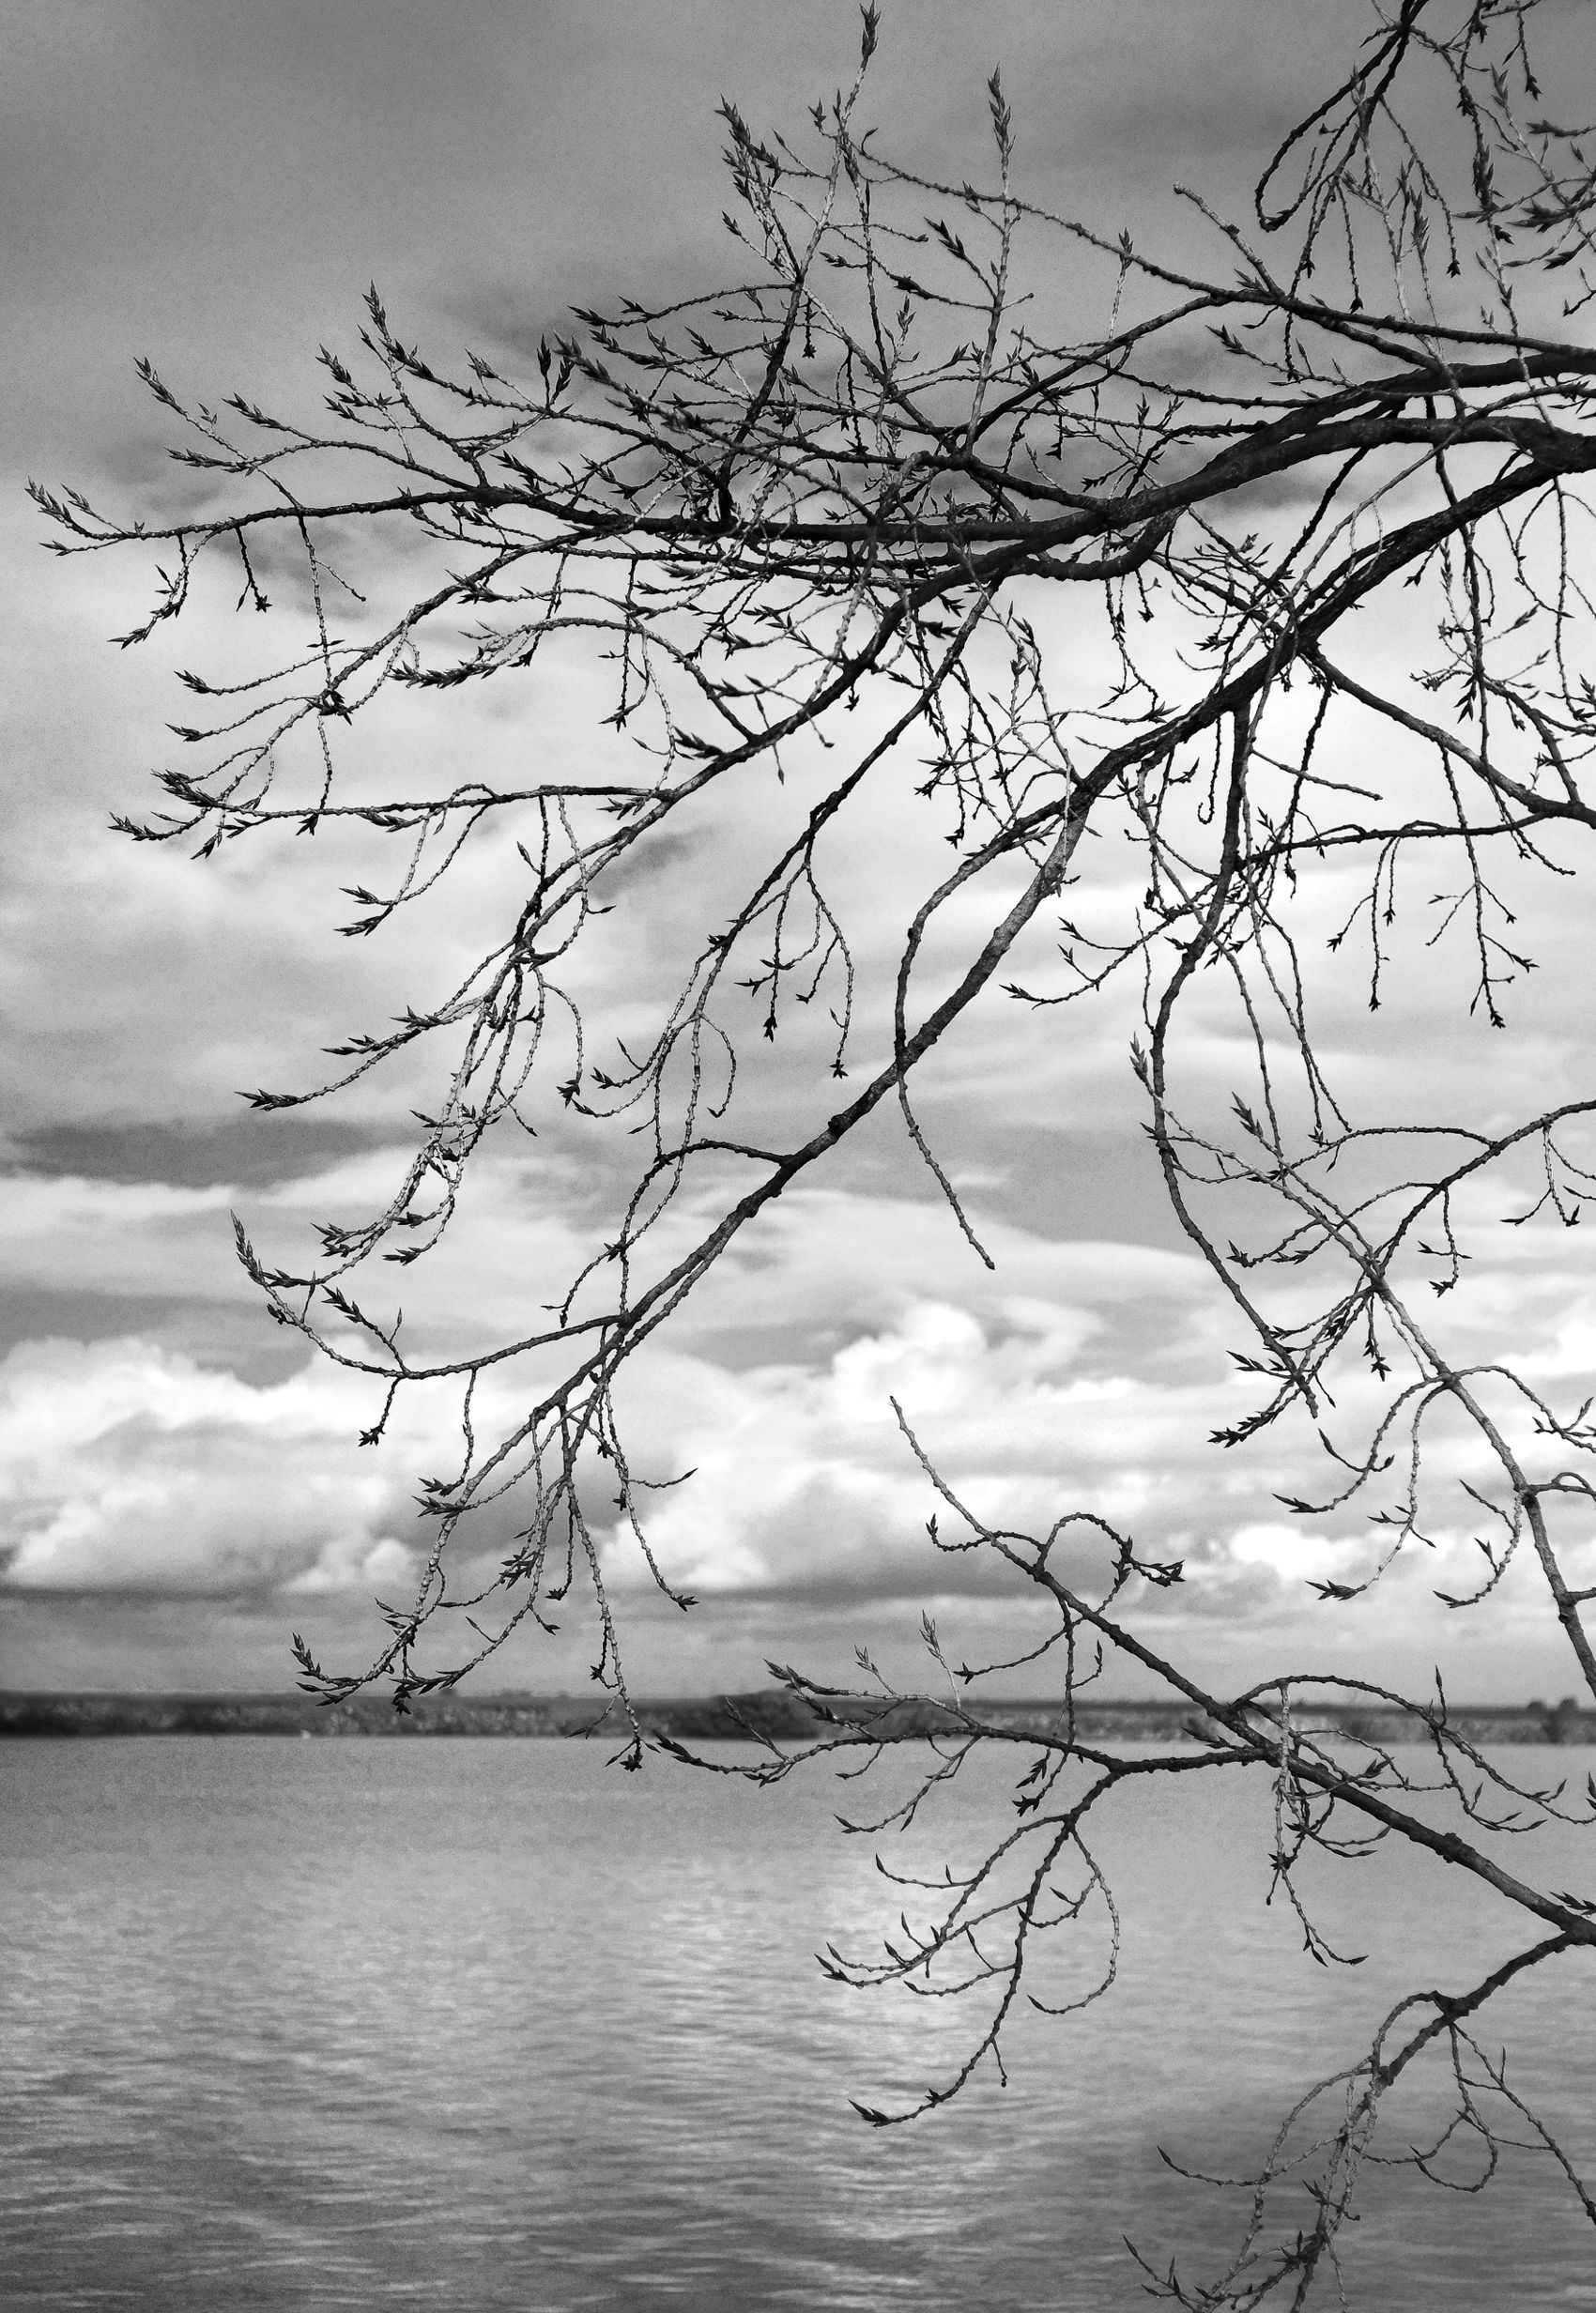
<point>214,183</point>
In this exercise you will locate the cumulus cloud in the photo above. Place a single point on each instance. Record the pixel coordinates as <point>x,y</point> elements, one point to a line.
<point>127,1469</point>
<point>805,1484</point>
<point>1076,1377</point>
<point>1073,1375</point>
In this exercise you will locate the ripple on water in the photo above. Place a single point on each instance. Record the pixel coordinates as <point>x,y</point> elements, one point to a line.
<point>478,2025</point>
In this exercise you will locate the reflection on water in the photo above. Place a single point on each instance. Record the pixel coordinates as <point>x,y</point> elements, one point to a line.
<point>475,2024</point>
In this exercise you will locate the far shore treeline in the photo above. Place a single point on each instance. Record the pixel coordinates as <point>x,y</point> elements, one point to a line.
<point>770,1714</point>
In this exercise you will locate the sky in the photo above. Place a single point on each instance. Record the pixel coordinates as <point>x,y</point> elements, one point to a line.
<point>214,184</point>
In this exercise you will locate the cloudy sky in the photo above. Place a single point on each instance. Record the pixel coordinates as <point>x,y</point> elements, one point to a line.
<point>214,183</point>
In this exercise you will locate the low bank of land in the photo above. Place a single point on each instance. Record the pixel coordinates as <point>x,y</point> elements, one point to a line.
<point>771,1713</point>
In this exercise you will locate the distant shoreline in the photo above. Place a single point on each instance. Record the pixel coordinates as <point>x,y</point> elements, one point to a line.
<point>771,1713</point>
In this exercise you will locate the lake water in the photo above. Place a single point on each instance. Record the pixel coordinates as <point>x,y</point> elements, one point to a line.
<point>466,2025</point>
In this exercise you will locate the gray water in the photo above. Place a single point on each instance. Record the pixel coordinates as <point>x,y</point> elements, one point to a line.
<point>473,2024</point>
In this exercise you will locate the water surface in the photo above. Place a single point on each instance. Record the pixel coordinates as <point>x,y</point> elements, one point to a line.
<point>478,2025</point>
